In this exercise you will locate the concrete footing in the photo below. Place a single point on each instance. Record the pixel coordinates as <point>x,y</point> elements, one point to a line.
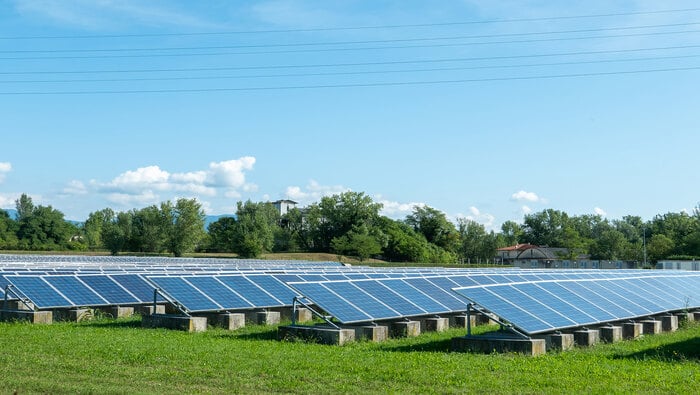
<point>632,330</point>
<point>685,317</point>
<point>317,334</point>
<point>405,329</point>
<point>34,317</point>
<point>485,319</point>
<point>434,324</point>
<point>303,314</point>
<point>73,315</point>
<point>373,333</point>
<point>586,337</point>
<point>149,309</point>
<point>651,327</point>
<point>669,323</point>
<point>610,334</point>
<point>489,344</point>
<point>265,317</point>
<point>228,321</point>
<point>117,311</point>
<point>696,316</point>
<point>18,305</point>
<point>178,322</point>
<point>460,321</point>
<point>558,341</point>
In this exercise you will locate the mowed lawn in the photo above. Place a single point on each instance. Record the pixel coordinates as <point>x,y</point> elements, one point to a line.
<point>118,356</point>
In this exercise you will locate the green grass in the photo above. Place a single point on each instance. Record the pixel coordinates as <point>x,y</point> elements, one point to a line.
<point>118,356</point>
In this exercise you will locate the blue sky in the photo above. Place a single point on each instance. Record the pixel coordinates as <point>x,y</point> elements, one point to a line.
<point>485,110</point>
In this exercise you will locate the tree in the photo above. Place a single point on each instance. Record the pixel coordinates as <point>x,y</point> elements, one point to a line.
<point>659,247</point>
<point>433,224</point>
<point>254,228</point>
<point>24,207</point>
<point>149,230</point>
<point>336,215</point>
<point>357,242</point>
<point>116,233</point>
<point>44,229</point>
<point>512,233</point>
<point>185,225</point>
<point>94,227</point>
<point>477,244</point>
<point>609,246</point>
<point>8,231</point>
<point>221,234</point>
<point>545,228</point>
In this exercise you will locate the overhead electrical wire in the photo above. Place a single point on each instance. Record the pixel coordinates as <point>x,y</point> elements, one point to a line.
<point>351,85</point>
<point>337,73</point>
<point>398,26</point>
<point>350,49</point>
<point>384,41</point>
<point>352,64</point>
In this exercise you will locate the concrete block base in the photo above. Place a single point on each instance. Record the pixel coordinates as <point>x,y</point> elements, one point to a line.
<point>267,317</point>
<point>178,322</point>
<point>317,334</point>
<point>117,311</point>
<point>18,305</point>
<point>685,317</point>
<point>34,317</point>
<point>631,330</point>
<point>303,315</point>
<point>559,341</point>
<point>73,315</point>
<point>405,329</point>
<point>611,334</point>
<point>696,315</point>
<point>435,324</point>
<point>651,327</point>
<point>669,323</point>
<point>489,344</point>
<point>149,309</point>
<point>484,319</point>
<point>586,337</point>
<point>228,321</point>
<point>460,321</point>
<point>373,333</point>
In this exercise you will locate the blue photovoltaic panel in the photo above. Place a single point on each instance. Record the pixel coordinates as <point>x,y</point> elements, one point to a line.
<point>445,298</point>
<point>390,297</point>
<point>329,301</point>
<point>219,292</point>
<point>371,306</point>
<point>251,292</point>
<point>109,289</point>
<point>274,287</point>
<point>425,303</point>
<point>543,306</point>
<point>39,292</point>
<point>185,293</point>
<point>75,291</point>
<point>138,286</point>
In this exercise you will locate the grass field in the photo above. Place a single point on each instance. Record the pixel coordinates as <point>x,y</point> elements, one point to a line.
<point>118,356</point>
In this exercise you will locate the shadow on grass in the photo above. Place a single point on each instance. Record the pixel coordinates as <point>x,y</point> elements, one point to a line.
<point>109,323</point>
<point>687,350</point>
<point>244,334</point>
<point>443,345</point>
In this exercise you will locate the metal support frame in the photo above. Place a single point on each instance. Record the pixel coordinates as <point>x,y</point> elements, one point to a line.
<point>25,301</point>
<point>296,301</point>
<point>158,291</point>
<point>504,325</point>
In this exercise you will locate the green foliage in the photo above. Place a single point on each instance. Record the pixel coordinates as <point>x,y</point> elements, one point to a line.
<point>435,227</point>
<point>185,225</point>
<point>357,242</point>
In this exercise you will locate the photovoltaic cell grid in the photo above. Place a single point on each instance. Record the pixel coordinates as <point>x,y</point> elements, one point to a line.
<point>537,307</point>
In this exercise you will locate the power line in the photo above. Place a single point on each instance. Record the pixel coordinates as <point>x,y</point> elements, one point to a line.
<point>385,41</point>
<point>354,64</point>
<point>351,49</point>
<point>360,85</point>
<point>370,72</point>
<point>514,20</point>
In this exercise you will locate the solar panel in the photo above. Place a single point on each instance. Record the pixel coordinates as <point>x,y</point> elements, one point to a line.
<point>543,306</point>
<point>185,293</point>
<point>39,292</point>
<point>75,291</point>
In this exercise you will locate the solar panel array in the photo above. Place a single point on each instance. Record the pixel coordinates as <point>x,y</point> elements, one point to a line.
<point>532,300</point>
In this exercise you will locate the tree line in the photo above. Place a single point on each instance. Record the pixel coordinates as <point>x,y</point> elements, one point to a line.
<point>348,224</point>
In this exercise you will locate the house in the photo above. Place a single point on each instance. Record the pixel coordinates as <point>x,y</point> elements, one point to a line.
<point>520,252</point>
<point>283,206</point>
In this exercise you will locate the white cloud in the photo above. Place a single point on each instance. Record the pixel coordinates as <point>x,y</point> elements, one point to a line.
<point>526,209</point>
<point>75,187</point>
<point>525,196</point>
<point>600,211</point>
<point>229,173</point>
<point>313,192</point>
<point>5,167</point>
<point>8,200</point>
<point>293,13</point>
<point>397,210</point>
<point>477,216</point>
<point>144,198</point>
